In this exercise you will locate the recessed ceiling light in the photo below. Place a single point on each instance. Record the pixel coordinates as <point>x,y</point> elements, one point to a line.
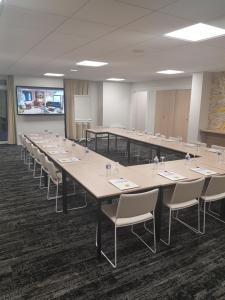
<point>92,63</point>
<point>170,72</point>
<point>54,74</point>
<point>197,32</point>
<point>73,70</point>
<point>115,79</point>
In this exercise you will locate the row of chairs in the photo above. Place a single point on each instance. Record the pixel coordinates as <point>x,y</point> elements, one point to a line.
<point>133,209</point>
<point>35,159</point>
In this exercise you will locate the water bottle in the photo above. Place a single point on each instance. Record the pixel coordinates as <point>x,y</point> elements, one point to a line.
<point>187,160</point>
<point>156,163</point>
<point>116,171</point>
<point>108,169</point>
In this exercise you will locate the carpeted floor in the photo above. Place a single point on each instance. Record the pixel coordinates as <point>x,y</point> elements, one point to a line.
<point>44,255</point>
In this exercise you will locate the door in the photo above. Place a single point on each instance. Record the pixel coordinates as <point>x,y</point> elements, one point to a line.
<point>172,111</point>
<point>164,111</point>
<point>181,113</point>
<point>3,112</point>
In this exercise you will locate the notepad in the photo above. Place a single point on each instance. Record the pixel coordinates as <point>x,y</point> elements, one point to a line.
<point>57,152</point>
<point>171,175</point>
<point>214,150</point>
<point>203,171</point>
<point>123,184</point>
<point>49,146</point>
<point>68,159</point>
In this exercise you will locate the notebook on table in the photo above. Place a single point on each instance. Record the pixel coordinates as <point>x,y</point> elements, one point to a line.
<point>171,175</point>
<point>123,184</point>
<point>204,171</point>
<point>68,159</point>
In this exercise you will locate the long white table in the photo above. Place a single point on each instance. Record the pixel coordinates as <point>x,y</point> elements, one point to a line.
<point>90,170</point>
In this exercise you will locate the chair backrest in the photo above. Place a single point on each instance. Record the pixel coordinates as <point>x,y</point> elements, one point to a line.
<point>131,205</point>
<point>21,138</point>
<point>52,171</point>
<point>188,190</point>
<point>33,150</point>
<point>216,185</point>
<point>28,146</point>
<point>43,160</point>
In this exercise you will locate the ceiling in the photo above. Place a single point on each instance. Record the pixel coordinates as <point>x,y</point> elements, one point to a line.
<point>39,36</point>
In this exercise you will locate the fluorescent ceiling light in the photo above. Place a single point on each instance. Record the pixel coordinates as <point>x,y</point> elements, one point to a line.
<point>115,79</point>
<point>54,74</point>
<point>197,32</point>
<point>170,72</point>
<point>92,63</point>
<point>73,70</point>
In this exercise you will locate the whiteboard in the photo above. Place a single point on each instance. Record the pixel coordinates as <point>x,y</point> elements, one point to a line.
<point>82,108</point>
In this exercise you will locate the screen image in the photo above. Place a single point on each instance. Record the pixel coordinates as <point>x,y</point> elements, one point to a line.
<point>38,100</point>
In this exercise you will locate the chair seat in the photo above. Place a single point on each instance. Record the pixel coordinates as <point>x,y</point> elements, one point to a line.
<point>110,211</point>
<point>213,197</point>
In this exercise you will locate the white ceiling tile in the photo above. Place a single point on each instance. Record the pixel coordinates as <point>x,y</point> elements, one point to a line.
<point>82,28</point>
<point>150,4</point>
<point>197,10</point>
<point>24,18</point>
<point>58,7</point>
<point>57,44</point>
<point>110,12</point>
<point>157,23</point>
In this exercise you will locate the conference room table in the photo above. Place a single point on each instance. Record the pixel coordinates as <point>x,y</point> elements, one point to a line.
<point>88,168</point>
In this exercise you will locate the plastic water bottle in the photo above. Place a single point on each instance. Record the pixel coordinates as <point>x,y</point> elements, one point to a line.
<point>116,171</point>
<point>187,160</point>
<point>156,163</point>
<point>108,169</point>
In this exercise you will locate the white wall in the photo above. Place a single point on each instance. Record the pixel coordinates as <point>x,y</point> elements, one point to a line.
<point>198,117</point>
<point>29,124</point>
<point>116,104</point>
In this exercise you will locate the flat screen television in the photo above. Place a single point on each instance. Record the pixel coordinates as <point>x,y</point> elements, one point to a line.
<point>39,100</point>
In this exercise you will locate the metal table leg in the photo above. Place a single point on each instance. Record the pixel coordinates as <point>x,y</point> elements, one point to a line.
<point>116,143</point>
<point>158,214</point>
<point>96,142</point>
<point>64,191</point>
<point>128,151</point>
<point>108,143</point>
<point>86,138</point>
<point>99,228</point>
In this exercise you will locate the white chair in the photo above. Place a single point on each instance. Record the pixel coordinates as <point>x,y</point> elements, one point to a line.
<point>29,155</point>
<point>185,194</point>
<point>42,159</point>
<point>131,209</point>
<point>37,161</point>
<point>55,176</point>
<point>23,146</point>
<point>215,191</point>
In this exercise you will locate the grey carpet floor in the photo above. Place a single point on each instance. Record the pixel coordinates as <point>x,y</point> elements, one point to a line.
<point>44,255</point>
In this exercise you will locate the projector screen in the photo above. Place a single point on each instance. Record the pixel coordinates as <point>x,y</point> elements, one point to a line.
<point>39,100</point>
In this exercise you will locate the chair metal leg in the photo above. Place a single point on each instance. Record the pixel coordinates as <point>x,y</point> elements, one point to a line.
<point>211,214</point>
<point>169,232</point>
<point>189,226</point>
<point>113,264</point>
<point>153,233</point>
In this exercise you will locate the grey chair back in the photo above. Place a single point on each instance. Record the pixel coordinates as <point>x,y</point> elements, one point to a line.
<point>131,205</point>
<point>188,190</point>
<point>216,186</point>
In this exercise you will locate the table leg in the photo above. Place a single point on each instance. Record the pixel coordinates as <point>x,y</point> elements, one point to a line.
<point>108,143</point>
<point>45,179</point>
<point>99,228</point>
<point>222,209</point>
<point>158,213</point>
<point>96,142</point>
<point>158,152</point>
<point>64,191</point>
<point>116,143</point>
<point>86,138</point>
<point>128,151</point>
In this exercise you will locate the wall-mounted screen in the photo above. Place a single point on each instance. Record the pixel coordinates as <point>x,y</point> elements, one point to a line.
<point>39,100</point>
